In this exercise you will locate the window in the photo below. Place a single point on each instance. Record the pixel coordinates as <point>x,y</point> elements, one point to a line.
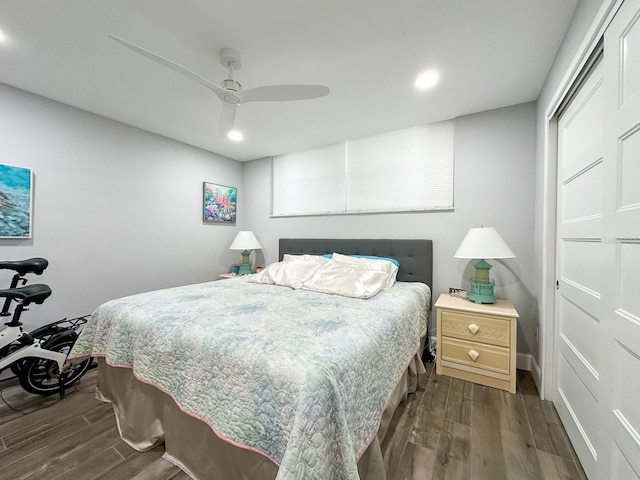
<point>405,170</point>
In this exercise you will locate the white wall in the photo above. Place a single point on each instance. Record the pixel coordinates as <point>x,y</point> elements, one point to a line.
<point>117,210</point>
<point>584,15</point>
<point>494,186</point>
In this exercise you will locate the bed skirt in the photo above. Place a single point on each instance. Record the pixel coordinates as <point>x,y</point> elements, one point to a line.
<point>147,417</point>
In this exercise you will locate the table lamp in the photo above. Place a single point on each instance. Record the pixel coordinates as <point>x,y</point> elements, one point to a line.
<point>484,242</point>
<point>245,240</point>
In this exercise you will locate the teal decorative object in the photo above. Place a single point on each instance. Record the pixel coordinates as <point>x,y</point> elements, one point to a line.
<point>245,264</point>
<point>481,285</point>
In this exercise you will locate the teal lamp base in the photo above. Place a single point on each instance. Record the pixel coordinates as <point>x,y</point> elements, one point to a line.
<point>482,292</point>
<point>245,264</point>
<point>481,285</point>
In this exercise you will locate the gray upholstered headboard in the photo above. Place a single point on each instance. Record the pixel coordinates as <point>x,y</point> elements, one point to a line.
<point>415,256</point>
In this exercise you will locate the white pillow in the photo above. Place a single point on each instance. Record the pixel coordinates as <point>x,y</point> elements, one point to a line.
<point>289,273</point>
<point>371,264</point>
<point>319,259</point>
<point>347,279</point>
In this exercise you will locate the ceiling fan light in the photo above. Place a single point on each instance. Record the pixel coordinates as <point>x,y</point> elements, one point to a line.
<point>427,79</point>
<point>235,135</point>
<point>231,85</point>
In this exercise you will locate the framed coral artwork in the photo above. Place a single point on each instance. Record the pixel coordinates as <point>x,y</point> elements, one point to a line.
<point>16,201</point>
<point>219,203</point>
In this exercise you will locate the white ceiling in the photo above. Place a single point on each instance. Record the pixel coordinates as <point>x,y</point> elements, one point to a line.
<point>490,54</point>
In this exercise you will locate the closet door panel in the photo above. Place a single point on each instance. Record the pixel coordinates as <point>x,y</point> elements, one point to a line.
<point>621,255</point>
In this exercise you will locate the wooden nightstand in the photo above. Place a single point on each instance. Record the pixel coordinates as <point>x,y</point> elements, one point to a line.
<point>477,342</point>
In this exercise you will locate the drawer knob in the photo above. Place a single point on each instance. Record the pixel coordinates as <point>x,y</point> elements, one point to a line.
<point>473,328</point>
<point>474,355</point>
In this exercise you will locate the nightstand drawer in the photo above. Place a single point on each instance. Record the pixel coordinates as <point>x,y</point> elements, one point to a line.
<point>486,357</point>
<point>476,328</point>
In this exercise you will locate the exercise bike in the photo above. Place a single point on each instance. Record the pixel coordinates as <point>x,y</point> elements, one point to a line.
<point>37,358</point>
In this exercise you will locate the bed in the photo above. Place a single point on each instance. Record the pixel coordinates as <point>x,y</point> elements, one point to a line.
<point>242,380</point>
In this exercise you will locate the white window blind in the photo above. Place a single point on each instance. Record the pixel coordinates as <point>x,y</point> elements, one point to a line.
<point>404,170</point>
<point>309,182</point>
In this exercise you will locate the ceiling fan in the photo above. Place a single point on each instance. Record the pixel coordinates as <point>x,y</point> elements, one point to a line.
<point>230,92</point>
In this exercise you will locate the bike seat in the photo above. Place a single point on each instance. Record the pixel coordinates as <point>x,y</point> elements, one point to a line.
<point>37,293</point>
<point>31,265</point>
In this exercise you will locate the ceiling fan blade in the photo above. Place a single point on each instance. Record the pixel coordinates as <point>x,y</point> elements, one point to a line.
<point>227,118</point>
<point>274,93</point>
<point>219,91</point>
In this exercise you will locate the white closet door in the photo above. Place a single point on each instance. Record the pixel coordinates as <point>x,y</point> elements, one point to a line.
<point>621,222</point>
<point>579,310</point>
<point>597,366</point>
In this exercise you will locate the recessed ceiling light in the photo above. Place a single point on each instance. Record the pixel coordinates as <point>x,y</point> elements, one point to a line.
<point>427,79</point>
<point>235,135</point>
<point>3,37</point>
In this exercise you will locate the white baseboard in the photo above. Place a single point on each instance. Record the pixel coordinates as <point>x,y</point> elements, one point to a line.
<point>525,361</point>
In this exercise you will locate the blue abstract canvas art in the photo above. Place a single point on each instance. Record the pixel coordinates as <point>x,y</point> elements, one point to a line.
<point>16,194</point>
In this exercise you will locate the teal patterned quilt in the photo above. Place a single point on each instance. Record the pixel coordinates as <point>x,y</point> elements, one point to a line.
<point>299,376</point>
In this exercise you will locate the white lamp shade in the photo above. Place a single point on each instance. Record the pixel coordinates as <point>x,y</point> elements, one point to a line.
<point>482,243</point>
<point>245,240</point>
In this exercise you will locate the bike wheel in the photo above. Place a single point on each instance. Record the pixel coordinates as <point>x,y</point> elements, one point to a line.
<point>16,367</point>
<point>40,375</point>
<point>42,334</point>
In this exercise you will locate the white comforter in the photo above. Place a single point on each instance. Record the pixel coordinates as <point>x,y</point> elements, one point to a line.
<point>299,376</point>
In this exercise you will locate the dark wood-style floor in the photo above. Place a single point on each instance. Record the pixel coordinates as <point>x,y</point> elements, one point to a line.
<point>450,430</point>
